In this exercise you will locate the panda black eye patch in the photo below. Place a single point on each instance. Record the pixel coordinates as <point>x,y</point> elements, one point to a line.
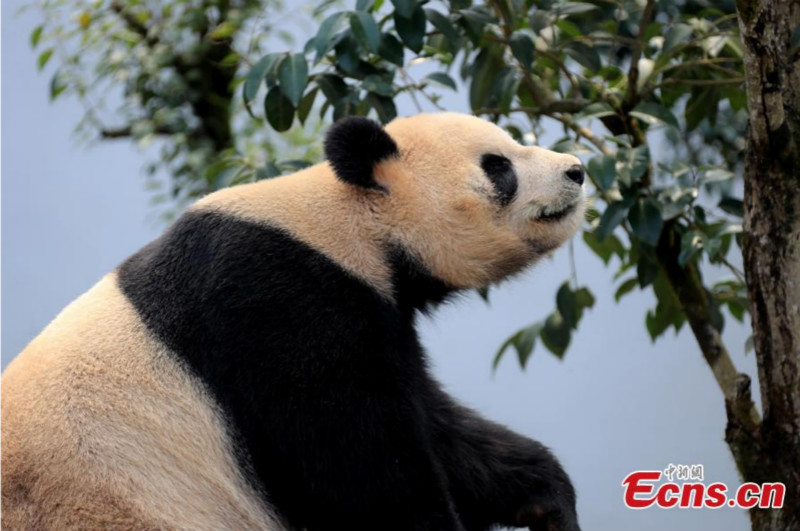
<point>501,172</point>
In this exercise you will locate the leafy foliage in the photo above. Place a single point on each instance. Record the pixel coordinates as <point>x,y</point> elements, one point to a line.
<point>167,74</point>
<point>624,81</point>
<point>648,93</point>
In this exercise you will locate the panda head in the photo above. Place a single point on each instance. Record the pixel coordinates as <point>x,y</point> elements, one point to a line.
<point>458,194</point>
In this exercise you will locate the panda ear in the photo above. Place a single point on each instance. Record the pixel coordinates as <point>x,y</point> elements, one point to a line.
<point>354,146</point>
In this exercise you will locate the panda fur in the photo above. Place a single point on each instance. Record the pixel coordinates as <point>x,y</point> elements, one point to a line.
<point>257,366</point>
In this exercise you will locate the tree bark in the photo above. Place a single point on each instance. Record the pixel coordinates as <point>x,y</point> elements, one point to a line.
<point>771,249</point>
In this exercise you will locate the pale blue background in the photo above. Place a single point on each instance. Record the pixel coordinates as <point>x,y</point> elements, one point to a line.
<point>617,403</point>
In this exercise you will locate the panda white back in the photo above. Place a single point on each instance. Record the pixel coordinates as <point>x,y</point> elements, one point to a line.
<point>102,429</point>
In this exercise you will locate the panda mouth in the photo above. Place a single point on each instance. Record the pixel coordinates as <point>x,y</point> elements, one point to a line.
<point>556,215</point>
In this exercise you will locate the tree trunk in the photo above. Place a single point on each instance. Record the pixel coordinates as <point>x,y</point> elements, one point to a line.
<point>772,250</point>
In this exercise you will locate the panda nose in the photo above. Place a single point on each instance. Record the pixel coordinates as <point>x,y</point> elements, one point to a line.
<point>575,174</point>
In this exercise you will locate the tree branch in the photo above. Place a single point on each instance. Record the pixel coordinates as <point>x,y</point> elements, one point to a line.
<point>206,72</point>
<point>552,111</point>
<point>585,133</point>
<point>700,82</point>
<point>688,287</point>
<point>633,73</point>
<point>133,23</point>
<point>127,132</point>
<point>120,132</point>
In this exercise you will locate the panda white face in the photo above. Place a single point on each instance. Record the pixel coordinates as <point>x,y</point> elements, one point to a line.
<point>474,205</point>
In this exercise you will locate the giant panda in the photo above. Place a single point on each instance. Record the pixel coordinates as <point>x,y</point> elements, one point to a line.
<point>257,366</point>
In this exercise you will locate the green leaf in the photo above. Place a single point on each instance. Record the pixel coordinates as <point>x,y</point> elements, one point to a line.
<point>603,171</point>
<point>703,104</point>
<point>326,36</point>
<point>365,5</point>
<point>612,217</point>
<point>484,293</point>
<point>595,110</point>
<point>503,89</point>
<point>692,243</point>
<point>44,57</point>
<point>441,78</point>
<point>573,8</point>
<point>411,29</point>
<point>293,76</point>
<point>321,6</point>
<point>713,246</point>
<point>625,288</point>
<point>584,55</point>
<point>391,49</point>
<point>405,8</point>
<point>525,343</point>
<point>443,24</point>
<point>57,86</point>
<point>541,19</point>
<point>571,304</point>
<point>749,344</point>
<point>646,222</point>
<point>306,104</point>
<point>732,206</point>
<point>522,48</point>
<point>333,87</point>
<point>605,249</point>
<point>714,175</point>
<point>656,323</point>
<point>222,31</point>
<point>556,334</point>
<point>584,299</point>
<point>293,165</point>
<point>737,310</point>
<point>486,66</point>
<point>647,269</point>
<point>219,168</point>
<point>348,57</point>
<point>639,162</point>
<point>346,107</point>
<point>654,113</point>
<point>256,76</point>
<point>384,106</point>
<point>279,109</point>
<point>634,164</point>
<point>366,30</point>
<point>474,22</point>
<point>567,305</point>
<point>377,85</point>
<point>269,171</point>
<point>36,35</point>
<point>668,311</point>
<point>507,343</point>
<point>677,34</point>
<point>568,29</point>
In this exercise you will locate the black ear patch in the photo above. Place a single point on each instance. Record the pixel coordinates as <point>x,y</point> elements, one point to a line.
<point>354,145</point>
<point>501,172</point>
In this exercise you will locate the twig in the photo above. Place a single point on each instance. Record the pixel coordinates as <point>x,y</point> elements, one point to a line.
<point>413,86</point>
<point>636,54</point>
<point>418,87</point>
<point>700,82</point>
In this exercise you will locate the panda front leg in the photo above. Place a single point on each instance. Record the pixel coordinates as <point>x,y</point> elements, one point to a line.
<point>497,476</point>
<point>368,464</point>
